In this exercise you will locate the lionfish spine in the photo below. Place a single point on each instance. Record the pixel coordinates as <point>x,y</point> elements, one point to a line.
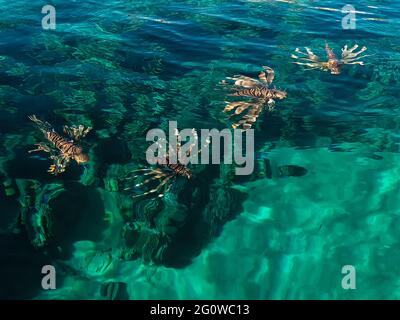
<point>330,53</point>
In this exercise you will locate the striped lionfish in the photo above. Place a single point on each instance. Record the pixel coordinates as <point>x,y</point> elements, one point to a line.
<point>333,64</point>
<point>61,149</point>
<point>258,91</point>
<point>167,171</point>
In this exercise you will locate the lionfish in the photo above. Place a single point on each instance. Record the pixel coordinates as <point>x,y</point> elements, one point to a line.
<point>61,149</point>
<point>167,171</point>
<point>258,91</point>
<point>349,56</point>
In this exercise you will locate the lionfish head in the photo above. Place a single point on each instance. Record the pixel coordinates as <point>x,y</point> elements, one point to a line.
<point>280,94</point>
<point>188,174</point>
<point>81,158</point>
<point>334,67</point>
<point>335,70</point>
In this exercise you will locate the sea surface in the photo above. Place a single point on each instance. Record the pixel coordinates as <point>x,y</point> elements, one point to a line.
<point>324,193</point>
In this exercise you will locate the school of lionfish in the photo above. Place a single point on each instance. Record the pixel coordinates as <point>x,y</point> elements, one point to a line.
<point>255,95</point>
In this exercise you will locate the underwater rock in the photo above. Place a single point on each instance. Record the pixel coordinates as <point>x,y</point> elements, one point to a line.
<point>9,205</point>
<point>266,168</point>
<point>224,205</point>
<point>97,263</point>
<point>203,210</point>
<point>9,189</point>
<point>74,116</point>
<point>18,70</point>
<point>54,216</point>
<point>77,97</point>
<point>35,217</point>
<point>384,75</point>
<point>90,175</point>
<point>147,209</point>
<point>111,184</point>
<point>291,171</point>
<point>171,218</point>
<point>117,208</point>
<point>41,227</point>
<point>10,98</point>
<point>387,71</point>
<point>227,172</point>
<point>372,91</point>
<point>49,48</point>
<point>3,195</point>
<point>173,215</point>
<point>79,212</point>
<point>114,290</point>
<point>112,118</point>
<point>136,147</point>
<point>262,170</point>
<point>91,260</point>
<point>374,156</point>
<point>118,203</point>
<point>143,242</point>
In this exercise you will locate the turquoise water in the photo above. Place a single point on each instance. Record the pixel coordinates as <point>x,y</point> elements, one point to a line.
<point>324,193</point>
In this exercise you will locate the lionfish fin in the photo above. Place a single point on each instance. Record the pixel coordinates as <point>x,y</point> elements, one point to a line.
<point>42,125</point>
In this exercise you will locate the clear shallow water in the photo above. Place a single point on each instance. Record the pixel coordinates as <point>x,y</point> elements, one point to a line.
<point>126,67</point>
